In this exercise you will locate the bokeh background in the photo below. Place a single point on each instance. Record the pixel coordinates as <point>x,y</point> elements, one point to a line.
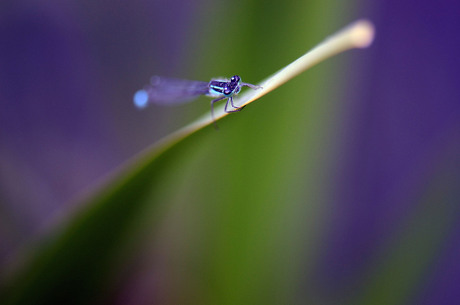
<point>340,187</point>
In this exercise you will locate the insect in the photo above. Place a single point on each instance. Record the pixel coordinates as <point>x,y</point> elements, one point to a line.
<point>170,91</point>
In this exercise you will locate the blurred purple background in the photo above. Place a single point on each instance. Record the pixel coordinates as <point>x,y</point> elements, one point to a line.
<point>67,74</point>
<point>403,140</point>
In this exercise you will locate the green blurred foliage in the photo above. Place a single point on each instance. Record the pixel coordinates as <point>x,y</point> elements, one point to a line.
<point>254,196</point>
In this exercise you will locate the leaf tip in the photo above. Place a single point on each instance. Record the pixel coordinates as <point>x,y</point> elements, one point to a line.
<point>362,33</point>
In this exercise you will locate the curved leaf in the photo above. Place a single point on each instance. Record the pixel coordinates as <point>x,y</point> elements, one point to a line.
<point>73,263</point>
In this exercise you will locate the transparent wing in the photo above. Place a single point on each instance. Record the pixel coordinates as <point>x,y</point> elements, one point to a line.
<point>170,91</point>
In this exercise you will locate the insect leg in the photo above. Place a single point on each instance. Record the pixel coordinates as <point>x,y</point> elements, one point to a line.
<point>212,109</point>
<point>255,87</point>
<point>236,109</point>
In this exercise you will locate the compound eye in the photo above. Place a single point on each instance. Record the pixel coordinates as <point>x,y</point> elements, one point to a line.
<point>235,79</point>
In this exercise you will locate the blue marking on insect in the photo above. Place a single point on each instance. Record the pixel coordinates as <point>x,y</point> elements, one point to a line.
<point>141,99</point>
<point>169,91</point>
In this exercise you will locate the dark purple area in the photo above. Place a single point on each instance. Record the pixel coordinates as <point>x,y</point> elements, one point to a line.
<point>67,75</point>
<point>441,287</point>
<point>48,118</point>
<point>404,129</point>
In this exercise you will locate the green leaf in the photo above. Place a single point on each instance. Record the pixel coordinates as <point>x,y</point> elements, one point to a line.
<point>77,259</point>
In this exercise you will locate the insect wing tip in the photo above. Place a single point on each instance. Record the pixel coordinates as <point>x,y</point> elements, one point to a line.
<point>141,99</point>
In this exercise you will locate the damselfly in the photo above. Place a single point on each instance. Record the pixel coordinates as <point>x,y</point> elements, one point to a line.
<point>170,91</point>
